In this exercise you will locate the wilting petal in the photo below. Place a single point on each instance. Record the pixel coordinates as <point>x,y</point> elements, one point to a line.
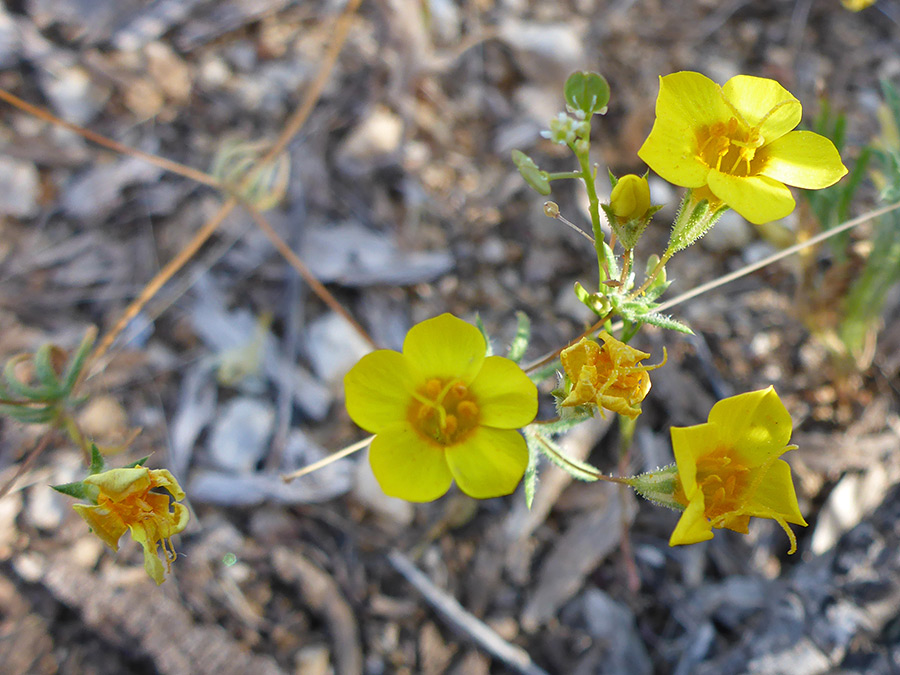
<point>408,466</point>
<point>803,159</point>
<point>506,396</point>
<point>490,463</point>
<point>120,484</point>
<point>163,478</point>
<point>378,390</point>
<point>105,524</point>
<point>445,347</point>
<point>757,198</point>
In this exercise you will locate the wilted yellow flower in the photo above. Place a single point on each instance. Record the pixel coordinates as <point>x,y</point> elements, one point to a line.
<point>126,502</point>
<point>442,410</point>
<point>608,376</point>
<point>630,198</point>
<point>734,144</point>
<point>729,468</point>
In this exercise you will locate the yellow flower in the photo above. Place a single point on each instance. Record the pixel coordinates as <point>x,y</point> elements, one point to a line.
<point>630,198</point>
<point>729,468</point>
<point>442,410</point>
<point>125,502</point>
<point>609,376</point>
<point>857,5</point>
<point>735,143</point>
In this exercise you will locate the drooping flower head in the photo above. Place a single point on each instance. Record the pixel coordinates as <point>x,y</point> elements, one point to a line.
<point>442,410</point>
<point>126,501</point>
<point>729,468</point>
<point>608,376</point>
<point>734,144</point>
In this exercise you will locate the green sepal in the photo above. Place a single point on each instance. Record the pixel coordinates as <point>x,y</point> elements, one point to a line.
<point>587,92</point>
<point>519,345</point>
<point>138,463</point>
<point>537,179</point>
<point>78,489</point>
<point>691,224</point>
<point>659,486</point>
<point>97,462</point>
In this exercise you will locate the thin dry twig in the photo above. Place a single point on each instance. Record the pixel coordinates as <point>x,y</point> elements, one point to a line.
<point>454,613</point>
<point>36,452</point>
<point>161,162</point>
<point>294,124</point>
<point>725,279</point>
<point>333,457</point>
<point>295,262</point>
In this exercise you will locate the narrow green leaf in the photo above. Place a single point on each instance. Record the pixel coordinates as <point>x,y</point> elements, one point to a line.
<point>43,368</point>
<point>139,462</point>
<point>523,336</point>
<point>77,362</point>
<point>487,338</point>
<point>531,475</point>
<point>551,450</point>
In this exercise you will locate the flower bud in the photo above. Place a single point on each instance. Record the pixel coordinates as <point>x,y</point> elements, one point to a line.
<point>630,198</point>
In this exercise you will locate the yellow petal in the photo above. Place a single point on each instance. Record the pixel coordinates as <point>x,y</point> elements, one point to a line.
<point>803,159</point>
<point>490,463</point>
<point>118,484</point>
<point>689,444</point>
<point>764,104</point>
<point>506,396</point>
<point>776,494</point>
<point>757,198</point>
<point>407,466</point>
<point>757,425</point>
<point>378,390</point>
<point>105,524</point>
<point>687,103</point>
<point>153,565</point>
<point>164,479</point>
<point>692,527</point>
<point>180,517</point>
<point>445,347</point>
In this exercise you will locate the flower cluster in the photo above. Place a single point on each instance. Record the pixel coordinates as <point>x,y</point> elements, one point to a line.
<point>442,410</point>
<point>608,376</point>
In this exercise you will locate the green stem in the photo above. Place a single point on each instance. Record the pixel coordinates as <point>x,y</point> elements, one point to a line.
<point>564,174</point>
<point>594,205</point>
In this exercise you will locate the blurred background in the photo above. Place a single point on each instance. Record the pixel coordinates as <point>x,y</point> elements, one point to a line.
<point>402,198</point>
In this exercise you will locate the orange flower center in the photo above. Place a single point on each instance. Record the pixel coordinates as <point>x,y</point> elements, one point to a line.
<point>444,411</point>
<point>730,147</point>
<point>724,481</point>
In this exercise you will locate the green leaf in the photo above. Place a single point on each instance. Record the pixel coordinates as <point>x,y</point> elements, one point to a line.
<point>29,414</point>
<point>531,475</point>
<point>587,92</point>
<point>520,342</point>
<point>487,339</point>
<point>78,490</point>
<point>537,179</point>
<point>546,371</point>
<point>43,368</point>
<point>551,450</point>
<point>97,463</point>
<point>22,390</point>
<point>667,322</point>
<point>78,361</point>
